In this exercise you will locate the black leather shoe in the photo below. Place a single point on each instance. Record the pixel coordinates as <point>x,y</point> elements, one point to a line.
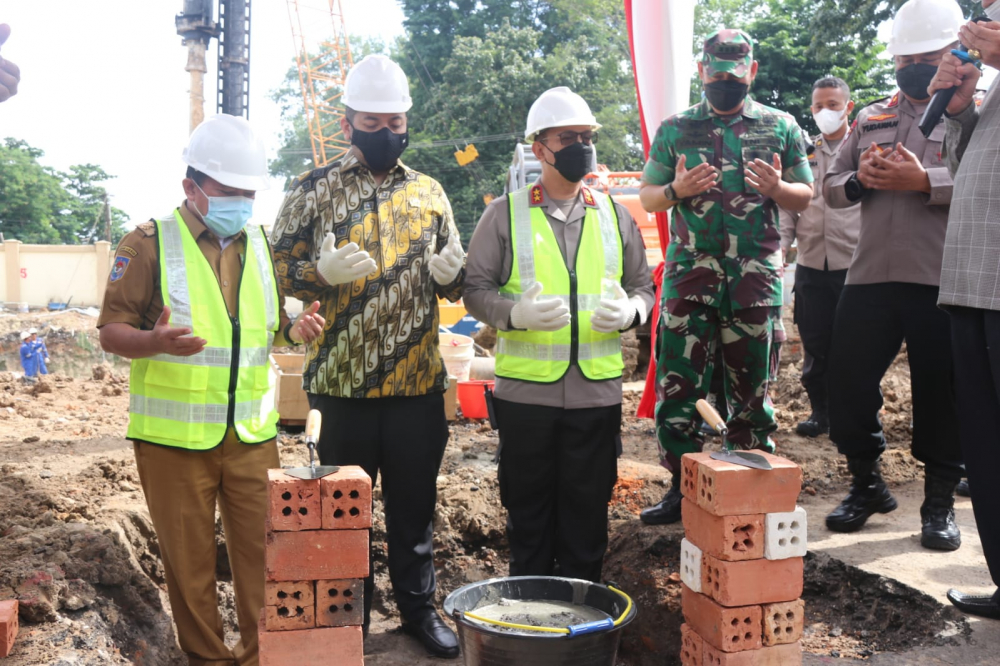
<point>962,489</point>
<point>817,424</point>
<point>667,510</point>
<point>937,514</point>
<point>436,637</point>
<point>983,605</point>
<point>868,495</point>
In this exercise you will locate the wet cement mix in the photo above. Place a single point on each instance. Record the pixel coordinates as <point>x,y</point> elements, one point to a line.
<point>77,547</point>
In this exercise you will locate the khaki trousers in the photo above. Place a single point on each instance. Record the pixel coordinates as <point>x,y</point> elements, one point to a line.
<point>182,488</point>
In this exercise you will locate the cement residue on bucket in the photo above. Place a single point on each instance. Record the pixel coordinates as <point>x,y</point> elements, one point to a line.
<point>536,613</point>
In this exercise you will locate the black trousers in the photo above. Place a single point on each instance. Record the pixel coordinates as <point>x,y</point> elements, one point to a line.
<point>871,324</point>
<point>816,295</point>
<point>558,468</point>
<point>976,337</point>
<point>404,438</point>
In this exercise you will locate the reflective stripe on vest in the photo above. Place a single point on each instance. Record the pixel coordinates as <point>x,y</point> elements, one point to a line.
<point>545,357</point>
<point>189,401</point>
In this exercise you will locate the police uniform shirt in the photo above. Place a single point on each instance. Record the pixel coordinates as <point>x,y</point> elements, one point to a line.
<point>488,266</point>
<point>902,232</point>
<point>826,236</point>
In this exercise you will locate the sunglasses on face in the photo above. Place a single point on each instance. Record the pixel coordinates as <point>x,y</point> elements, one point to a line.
<point>569,137</point>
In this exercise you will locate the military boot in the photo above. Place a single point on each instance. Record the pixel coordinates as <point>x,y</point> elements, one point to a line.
<point>668,509</point>
<point>937,514</point>
<point>868,495</point>
<point>818,422</point>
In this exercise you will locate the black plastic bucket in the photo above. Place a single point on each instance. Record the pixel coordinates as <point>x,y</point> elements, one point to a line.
<point>484,645</point>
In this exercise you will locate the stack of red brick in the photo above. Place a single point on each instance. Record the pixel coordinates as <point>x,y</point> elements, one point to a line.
<point>316,557</point>
<point>8,626</point>
<point>741,563</point>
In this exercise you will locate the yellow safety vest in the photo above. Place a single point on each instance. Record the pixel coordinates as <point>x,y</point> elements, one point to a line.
<point>543,357</point>
<point>189,401</point>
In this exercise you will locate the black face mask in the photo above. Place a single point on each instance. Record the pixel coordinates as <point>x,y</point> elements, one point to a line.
<point>914,79</point>
<point>725,95</point>
<point>382,148</point>
<point>574,161</point>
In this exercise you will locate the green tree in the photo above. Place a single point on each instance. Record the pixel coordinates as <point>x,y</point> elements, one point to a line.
<point>41,205</point>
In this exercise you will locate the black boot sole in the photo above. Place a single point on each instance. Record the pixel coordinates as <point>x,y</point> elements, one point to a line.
<point>940,542</point>
<point>661,518</point>
<point>856,524</point>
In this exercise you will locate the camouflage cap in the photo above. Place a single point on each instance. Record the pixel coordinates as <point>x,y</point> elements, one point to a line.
<point>729,51</point>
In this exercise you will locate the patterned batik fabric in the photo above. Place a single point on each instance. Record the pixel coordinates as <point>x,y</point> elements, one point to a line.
<point>381,335</point>
<point>685,355</point>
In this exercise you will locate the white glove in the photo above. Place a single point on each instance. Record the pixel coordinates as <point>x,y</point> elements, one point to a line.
<point>447,264</point>
<point>614,314</point>
<point>344,265</point>
<point>548,314</point>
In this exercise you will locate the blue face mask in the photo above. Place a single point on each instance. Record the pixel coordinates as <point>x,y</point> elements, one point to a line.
<point>226,216</point>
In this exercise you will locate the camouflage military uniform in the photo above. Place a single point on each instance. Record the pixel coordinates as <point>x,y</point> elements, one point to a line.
<point>722,278</point>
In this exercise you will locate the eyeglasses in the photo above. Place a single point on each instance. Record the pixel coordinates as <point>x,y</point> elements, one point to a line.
<point>569,137</point>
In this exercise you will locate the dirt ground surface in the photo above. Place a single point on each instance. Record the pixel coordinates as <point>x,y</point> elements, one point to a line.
<point>78,550</point>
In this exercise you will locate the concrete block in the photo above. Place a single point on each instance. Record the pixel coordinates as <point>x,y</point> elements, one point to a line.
<point>725,629</point>
<point>781,655</point>
<point>730,538</point>
<point>751,582</point>
<point>340,603</point>
<point>783,622</point>
<point>728,489</point>
<point>289,605</point>
<point>691,565</point>
<point>691,647</point>
<point>347,499</point>
<point>316,555</point>
<point>294,503</point>
<point>330,646</point>
<point>8,626</point>
<point>785,534</point>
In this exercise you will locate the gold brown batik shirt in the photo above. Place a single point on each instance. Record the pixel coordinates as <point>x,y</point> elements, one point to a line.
<point>381,335</point>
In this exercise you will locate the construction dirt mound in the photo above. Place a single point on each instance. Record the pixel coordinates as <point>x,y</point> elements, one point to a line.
<point>78,550</point>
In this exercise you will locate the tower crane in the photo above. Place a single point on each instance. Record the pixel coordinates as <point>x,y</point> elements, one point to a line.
<point>322,72</point>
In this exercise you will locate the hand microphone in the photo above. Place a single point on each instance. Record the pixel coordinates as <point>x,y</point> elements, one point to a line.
<point>941,99</point>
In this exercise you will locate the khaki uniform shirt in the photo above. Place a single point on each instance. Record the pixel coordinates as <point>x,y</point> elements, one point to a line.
<point>133,295</point>
<point>902,233</point>
<point>827,236</point>
<point>488,266</point>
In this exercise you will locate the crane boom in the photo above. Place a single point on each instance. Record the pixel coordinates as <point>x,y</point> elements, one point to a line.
<point>321,74</point>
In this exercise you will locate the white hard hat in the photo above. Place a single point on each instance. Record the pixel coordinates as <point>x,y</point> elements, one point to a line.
<point>32,331</point>
<point>925,26</point>
<point>558,107</point>
<point>377,85</point>
<point>25,335</point>
<point>228,150</point>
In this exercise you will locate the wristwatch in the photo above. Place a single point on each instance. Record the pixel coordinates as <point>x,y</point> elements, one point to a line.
<point>853,188</point>
<point>668,192</point>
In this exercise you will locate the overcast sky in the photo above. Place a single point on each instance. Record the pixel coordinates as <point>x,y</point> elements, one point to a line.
<point>104,82</point>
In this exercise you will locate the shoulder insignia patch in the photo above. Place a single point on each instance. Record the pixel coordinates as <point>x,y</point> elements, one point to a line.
<point>121,264</point>
<point>537,196</point>
<point>894,101</point>
<point>127,250</point>
<point>588,197</point>
<point>148,228</point>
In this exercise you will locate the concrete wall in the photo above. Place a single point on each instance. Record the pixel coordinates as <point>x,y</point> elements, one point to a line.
<point>43,274</point>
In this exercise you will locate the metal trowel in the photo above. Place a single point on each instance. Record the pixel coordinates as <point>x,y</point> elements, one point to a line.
<point>744,458</point>
<point>314,422</point>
